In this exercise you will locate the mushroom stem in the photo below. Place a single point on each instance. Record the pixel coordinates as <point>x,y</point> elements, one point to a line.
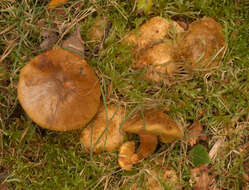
<point>148,144</point>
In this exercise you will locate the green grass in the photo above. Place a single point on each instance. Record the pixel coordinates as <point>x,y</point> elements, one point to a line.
<point>34,158</point>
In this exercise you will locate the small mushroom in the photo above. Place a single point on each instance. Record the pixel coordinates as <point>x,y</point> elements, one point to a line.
<point>149,127</point>
<point>125,159</point>
<point>97,31</point>
<point>152,32</point>
<point>59,90</point>
<point>104,134</point>
<point>127,156</point>
<point>203,44</point>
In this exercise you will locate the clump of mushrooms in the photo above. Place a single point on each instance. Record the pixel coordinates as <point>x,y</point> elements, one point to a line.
<point>150,126</point>
<point>59,90</point>
<point>172,58</point>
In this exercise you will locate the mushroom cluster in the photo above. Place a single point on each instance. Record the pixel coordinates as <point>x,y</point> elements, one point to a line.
<point>170,54</point>
<point>59,91</point>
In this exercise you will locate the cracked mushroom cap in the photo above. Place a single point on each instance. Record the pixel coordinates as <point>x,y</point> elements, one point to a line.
<point>152,31</point>
<point>104,134</point>
<point>155,123</point>
<point>203,44</point>
<point>59,90</point>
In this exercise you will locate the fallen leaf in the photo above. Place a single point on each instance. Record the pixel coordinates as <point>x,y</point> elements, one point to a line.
<point>54,3</point>
<point>74,42</point>
<point>195,133</point>
<point>49,39</point>
<point>202,177</point>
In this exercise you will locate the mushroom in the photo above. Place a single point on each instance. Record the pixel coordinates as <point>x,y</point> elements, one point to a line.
<point>58,90</point>
<point>154,177</point>
<point>149,127</point>
<point>104,133</point>
<point>203,44</point>
<point>160,64</point>
<point>125,159</point>
<point>152,32</point>
<point>127,156</point>
<point>97,31</point>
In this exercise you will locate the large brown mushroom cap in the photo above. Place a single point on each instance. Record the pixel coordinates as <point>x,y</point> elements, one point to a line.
<point>203,43</point>
<point>104,133</point>
<point>59,90</point>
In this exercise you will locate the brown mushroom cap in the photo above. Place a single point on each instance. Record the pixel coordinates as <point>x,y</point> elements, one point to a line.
<point>59,90</point>
<point>203,43</point>
<point>152,31</point>
<point>155,123</point>
<point>104,134</point>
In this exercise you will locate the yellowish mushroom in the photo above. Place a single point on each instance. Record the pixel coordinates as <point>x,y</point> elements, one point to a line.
<point>160,63</point>
<point>152,32</point>
<point>97,31</point>
<point>149,126</point>
<point>104,133</point>
<point>203,44</point>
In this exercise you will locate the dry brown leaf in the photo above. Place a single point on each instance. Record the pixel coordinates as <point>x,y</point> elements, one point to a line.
<point>54,3</point>
<point>50,39</point>
<point>195,133</point>
<point>74,42</point>
<point>202,177</point>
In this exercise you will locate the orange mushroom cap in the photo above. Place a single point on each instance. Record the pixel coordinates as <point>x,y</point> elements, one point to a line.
<point>59,90</point>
